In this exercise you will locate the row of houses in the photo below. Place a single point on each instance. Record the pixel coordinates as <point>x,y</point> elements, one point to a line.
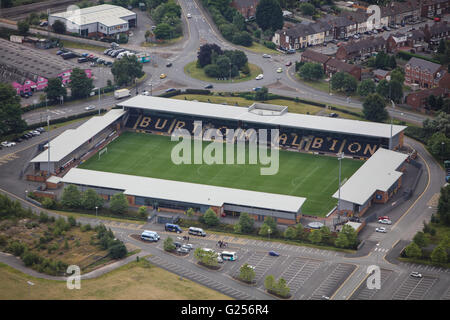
<point>349,23</point>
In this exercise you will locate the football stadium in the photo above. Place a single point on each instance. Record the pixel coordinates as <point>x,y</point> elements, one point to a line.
<point>129,150</point>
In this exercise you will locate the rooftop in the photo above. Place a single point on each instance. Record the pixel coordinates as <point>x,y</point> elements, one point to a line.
<point>183,191</point>
<point>423,65</point>
<point>315,56</point>
<point>377,173</point>
<point>106,14</point>
<point>70,140</point>
<point>287,119</point>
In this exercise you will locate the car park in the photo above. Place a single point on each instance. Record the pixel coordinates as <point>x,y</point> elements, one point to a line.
<point>416,274</point>
<point>381,229</point>
<point>273,254</point>
<point>209,86</point>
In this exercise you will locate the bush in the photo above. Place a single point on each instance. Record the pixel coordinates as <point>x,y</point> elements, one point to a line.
<point>118,251</point>
<point>85,227</point>
<point>72,221</point>
<point>16,248</point>
<point>169,245</point>
<point>48,203</point>
<point>270,45</point>
<point>211,218</point>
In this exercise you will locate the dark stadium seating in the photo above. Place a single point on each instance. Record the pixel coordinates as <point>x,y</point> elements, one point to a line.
<point>289,138</point>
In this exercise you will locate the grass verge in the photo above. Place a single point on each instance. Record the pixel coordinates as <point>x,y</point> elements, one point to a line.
<point>134,281</point>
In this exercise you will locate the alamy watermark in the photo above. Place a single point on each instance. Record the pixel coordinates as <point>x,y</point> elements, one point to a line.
<point>374,279</point>
<point>261,150</point>
<point>74,280</point>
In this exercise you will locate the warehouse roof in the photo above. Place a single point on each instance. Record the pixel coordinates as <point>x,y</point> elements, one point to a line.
<point>377,173</point>
<point>182,191</point>
<point>287,119</point>
<point>106,14</point>
<point>70,140</point>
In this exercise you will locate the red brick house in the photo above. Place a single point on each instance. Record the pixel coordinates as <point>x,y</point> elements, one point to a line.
<point>438,31</point>
<point>246,7</point>
<point>361,48</point>
<point>422,72</point>
<point>315,57</point>
<point>418,100</point>
<point>334,65</point>
<point>434,8</point>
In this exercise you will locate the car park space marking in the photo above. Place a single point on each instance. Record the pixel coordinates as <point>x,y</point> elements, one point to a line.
<point>298,271</point>
<point>340,272</point>
<point>163,263</point>
<point>364,293</point>
<point>414,288</point>
<point>262,263</point>
<point>447,295</point>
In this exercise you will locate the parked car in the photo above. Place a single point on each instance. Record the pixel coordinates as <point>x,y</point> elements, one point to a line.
<point>385,221</point>
<point>383,218</point>
<point>82,60</point>
<point>35,133</point>
<point>182,250</point>
<point>289,63</point>
<point>108,63</point>
<point>40,129</point>
<point>279,70</point>
<point>257,88</point>
<point>8,144</point>
<point>265,55</point>
<point>273,254</point>
<point>260,76</point>
<point>169,65</point>
<point>189,16</point>
<point>333,115</point>
<point>162,76</point>
<point>59,52</point>
<point>290,51</point>
<point>91,107</point>
<point>416,274</point>
<point>381,229</point>
<point>170,90</point>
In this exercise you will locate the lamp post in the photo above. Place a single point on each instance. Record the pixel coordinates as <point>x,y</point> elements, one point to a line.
<point>96,211</point>
<point>392,127</point>
<point>48,139</point>
<point>443,148</point>
<point>340,157</point>
<point>269,231</point>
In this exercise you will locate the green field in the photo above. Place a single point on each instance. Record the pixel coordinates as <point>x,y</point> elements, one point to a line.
<point>304,175</point>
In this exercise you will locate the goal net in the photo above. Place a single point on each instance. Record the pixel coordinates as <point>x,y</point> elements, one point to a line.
<point>101,152</point>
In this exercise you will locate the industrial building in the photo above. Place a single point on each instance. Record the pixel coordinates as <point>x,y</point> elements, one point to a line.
<point>103,20</point>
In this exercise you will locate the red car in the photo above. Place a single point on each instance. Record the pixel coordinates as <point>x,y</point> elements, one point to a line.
<point>288,63</point>
<point>383,218</point>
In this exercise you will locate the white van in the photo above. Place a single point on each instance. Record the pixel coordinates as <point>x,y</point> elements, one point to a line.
<point>197,231</point>
<point>151,236</point>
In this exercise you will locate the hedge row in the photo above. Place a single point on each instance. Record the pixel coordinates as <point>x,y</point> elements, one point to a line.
<point>408,55</point>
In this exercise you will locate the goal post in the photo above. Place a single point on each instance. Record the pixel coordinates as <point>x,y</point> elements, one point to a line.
<point>101,152</point>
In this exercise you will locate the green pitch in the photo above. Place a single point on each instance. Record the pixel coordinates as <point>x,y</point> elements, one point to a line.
<point>302,175</point>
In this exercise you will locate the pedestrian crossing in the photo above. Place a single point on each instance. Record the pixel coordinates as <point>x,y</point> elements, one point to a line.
<point>381,249</point>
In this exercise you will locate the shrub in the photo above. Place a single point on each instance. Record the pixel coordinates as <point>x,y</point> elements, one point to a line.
<point>169,245</point>
<point>118,251</point>
<point>43,217</point>
<point>16,248</point>
<point>72,221</point>
<point>48,203</point>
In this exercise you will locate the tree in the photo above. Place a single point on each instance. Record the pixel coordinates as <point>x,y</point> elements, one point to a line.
<point>239,21</point>
<point>341,241</point>
<point>59,27</point>
<point>444,205</point>
<point>311,71</point>
<point>383,88</point>
<point>307,9</point>
<point>238,58</point>
<point>210,218</point>
<point>264,230</point>
<point>421,239</point>
<point>396,91</point>
<point>374,108</point>
<point>169,245</point>
<point>262,94</point>
<point>126,70</point>
<point>142,212</point>
<point>23,27</point>
<point>246,273</point>
<point>439,255</point>
<point>381,60</point>
<point>246,223</point>
<point>439,145</point>
<point>392,63</point>
<point>71,197</point>
<point>350,84</point>
<point>351,235</point>
<point>281,288</point>
<point>398,75</point>
<point>413,251</point>
<point>290,233</point>
<point>163,31</point>
<point>441,48</point>
<point>242,38</point>
<point>300,232</point>
<point>119,203</point>
<point>190,212</point>
<point>366,87</point>
<point>270,221</point>
<point>269,282</point>
<point>10,111</point>
<point>207,258</point>
<point>325,233</point>
<point>72,221</point>
<point>212,70</point>
<point>269,15</point>
<point>80,85</point>
<point>315,236</point>
<point>118,251</point>
<point>90,199</point>
<point>55,90</point>
<point>337,80</point>
<point>204,54</point>
<point>224,65</point>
